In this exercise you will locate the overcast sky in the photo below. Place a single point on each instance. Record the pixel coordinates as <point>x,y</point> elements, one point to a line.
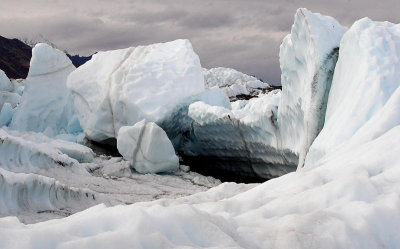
<point>244,35</point>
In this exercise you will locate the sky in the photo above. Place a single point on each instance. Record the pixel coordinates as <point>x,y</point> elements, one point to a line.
<point>240,34</point>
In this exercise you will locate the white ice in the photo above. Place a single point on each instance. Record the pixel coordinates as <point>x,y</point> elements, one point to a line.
<point>232,82</point>
<point>121,87</point>
<point>307,59</point>
<point>46,103</point>
<point>147,147</point>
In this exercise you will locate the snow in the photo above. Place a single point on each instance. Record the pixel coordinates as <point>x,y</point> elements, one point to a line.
<point>233,83</point>
<point>307,59</point>
<point>46,103</point>
<point>119,88</point>
<point>147,147</point>
<point>364,98</point>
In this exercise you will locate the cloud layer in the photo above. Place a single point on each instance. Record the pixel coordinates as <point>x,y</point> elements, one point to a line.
<point>244,35</point>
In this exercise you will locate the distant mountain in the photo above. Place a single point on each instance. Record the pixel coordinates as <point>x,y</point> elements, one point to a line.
<point>14,57</point>
<point>33,40</point>
<point>78,60</point>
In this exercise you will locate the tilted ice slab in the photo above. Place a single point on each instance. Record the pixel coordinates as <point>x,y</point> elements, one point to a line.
<point>234,84</point>
<point>34,153</point>
<point>364,100</point>
<point>307,59</point>
<point>46,104</point>
<point>147,147</point>
<point>121,87</point>
<point>20,192</point>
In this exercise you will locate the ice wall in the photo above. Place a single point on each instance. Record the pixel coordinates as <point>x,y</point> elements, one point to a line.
<point>307,59</point>
<point>364,99</point>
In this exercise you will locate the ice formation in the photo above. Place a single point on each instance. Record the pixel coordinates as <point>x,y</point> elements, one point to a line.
<point>347,195</point>
<point>147,147</point>
<point>234,84</point>
<point>46,104</point>
<point>364,99</point>
<point>20,192</point>
<point>119,88</point>
<point>5,83</point>
<point>36,153</point>
<point>238,143</point>
<point>307,58</point>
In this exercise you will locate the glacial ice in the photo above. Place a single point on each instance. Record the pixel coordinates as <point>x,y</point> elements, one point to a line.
<point>20,192</point>
<point>147,147</point>
<point>237,143</point>
<point>27,152</point>
<point>347,195</point>
<point>46,105</point>
<point>234,84</point>
<point>6,114</point>
<point>5,83</point>
<point>119,88</point>
<point>364,99</point>
<point>307,59</point>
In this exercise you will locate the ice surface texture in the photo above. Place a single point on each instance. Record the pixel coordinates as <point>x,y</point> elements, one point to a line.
<point>234,84</point>
<point>119,88</point>
<point>46,103</point>
<point>307,59</point>
<point>364,98</point>
<point>147,147</point>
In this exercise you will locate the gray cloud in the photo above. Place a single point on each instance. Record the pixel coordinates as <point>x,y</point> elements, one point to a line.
<point>234,33</point>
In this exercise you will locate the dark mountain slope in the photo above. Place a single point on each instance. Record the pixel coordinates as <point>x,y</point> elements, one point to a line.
<point>14,57</point>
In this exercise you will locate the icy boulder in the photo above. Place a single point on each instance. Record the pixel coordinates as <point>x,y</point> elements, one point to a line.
<point>121,87</point>
<point>147,147</point>
<point>46,103</point>
<point>5,83</point>
<point>307,59</point>
<point>234,84</point>
<point>364,100</point>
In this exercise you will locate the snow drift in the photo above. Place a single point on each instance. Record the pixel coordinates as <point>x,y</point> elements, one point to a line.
<point>119,88</point>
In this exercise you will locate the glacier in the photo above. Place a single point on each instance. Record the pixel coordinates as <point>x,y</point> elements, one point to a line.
<point>307,59</point>
<point>272,139</point>
<point>339,104</point>
<point>45,105</point>
<point>364,98</point>
<point>120,88</point>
